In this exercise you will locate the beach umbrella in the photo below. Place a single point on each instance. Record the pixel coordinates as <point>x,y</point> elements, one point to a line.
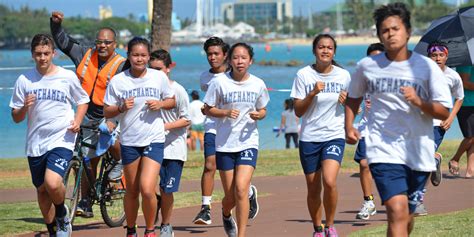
<point>457,31</point>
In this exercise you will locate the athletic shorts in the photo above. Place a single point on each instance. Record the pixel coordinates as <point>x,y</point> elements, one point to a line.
<point>438,136</point>
<point>209,144</point>
<point>466,120</point>
<point>197,135</point>
<point>170,175</point>
<point>396,179</point>
<point>56,160</point>
<point>229,160</point>
<point>154,151</point>
<point>360,153</point>
<point>313,153</point>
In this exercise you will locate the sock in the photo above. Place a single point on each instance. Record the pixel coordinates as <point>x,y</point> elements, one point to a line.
<point>206,200</point>
<point>319,228</point>
<point>60,210</point>
<point>149,231</point>
<point>51,228</point>
<point>369,198</point>
<point>131,230</point>
<point>250,192</point>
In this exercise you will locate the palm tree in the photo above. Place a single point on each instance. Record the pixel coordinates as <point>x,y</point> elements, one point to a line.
<point>161,24</point>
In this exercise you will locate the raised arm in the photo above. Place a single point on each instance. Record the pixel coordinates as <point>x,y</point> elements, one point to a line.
<point>64,41</point>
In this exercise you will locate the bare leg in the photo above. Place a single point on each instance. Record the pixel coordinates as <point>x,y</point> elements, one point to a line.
<point>150,170</point>
<point>207,179</point>
<point>242,177</point>
<point>228,202</point>
<point>45,204</point>
<point>314,186</point>
<point>470,162</point>
<point>398,216</point>
<point>365,178</point>
<point>131,204</point>
<point>167,201</point>
<point>330,170</point>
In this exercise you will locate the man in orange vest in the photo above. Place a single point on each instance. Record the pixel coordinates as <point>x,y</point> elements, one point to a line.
<point>95,66</point>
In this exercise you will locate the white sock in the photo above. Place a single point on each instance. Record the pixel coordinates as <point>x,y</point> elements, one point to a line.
<point>250,191</point>
<point>206,200</point>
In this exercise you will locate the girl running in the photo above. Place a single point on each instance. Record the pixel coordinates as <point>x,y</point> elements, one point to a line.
<point>238,100</point>
<point>319,94</point>
<point>137,95</point>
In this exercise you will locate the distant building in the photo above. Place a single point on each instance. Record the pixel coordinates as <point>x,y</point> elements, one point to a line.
<point>175,22</point>
<point>257,11</point>
<point>105,12</point>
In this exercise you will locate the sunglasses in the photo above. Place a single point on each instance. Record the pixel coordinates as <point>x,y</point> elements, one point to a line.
<point>106,42</point>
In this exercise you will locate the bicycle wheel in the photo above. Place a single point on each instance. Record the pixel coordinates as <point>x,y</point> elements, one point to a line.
<point>73,187</point>
<point>111,203</point>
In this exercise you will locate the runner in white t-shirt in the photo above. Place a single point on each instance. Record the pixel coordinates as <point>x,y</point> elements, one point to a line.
<point>238,99</point>
<point>176,122</point>
<point>438,52</point>
<point>45,96</point>
<point>138,95</point>
<point>216,51</point>
<point>407,90</point>
<point>319,91</point>
<point>197,121</point>
<point>289,124</point>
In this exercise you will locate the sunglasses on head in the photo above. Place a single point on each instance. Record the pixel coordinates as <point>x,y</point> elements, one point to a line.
<point>106,42</point>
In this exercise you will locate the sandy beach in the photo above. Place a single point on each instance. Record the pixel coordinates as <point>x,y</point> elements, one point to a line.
<point>346,40</point>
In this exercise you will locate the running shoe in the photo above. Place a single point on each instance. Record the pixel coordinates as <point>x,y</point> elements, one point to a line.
<point>116,172</point>
<point>64,227</point>
<point>319,234</point>
<point>230,226</point>
<point>437,175</point>
<point>166,231</point>
<point>420,210</point>
<point>367,210</point>
<point>84,209</point>
<point>253,203</point>
<point>204,216</point>
<point>330,231</point>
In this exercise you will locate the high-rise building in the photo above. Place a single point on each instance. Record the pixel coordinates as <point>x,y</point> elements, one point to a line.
<point>105,12</point>
<point>257,11</point>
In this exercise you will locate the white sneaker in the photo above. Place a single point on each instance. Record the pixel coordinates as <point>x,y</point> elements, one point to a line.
<point>367,210</point>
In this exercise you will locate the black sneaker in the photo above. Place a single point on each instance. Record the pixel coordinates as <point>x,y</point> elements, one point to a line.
<point>230,227</point>
<point>84,209</point>
<point>437,175</point>
<point>253,211</point>
<point>204,216</point>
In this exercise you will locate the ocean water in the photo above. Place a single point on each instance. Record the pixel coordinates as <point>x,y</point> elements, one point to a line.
<point>191,62</point>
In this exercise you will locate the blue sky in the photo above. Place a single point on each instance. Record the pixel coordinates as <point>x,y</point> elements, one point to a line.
<point>183,8</point>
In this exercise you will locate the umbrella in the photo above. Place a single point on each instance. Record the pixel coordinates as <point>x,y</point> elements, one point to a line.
<point>457,31</point>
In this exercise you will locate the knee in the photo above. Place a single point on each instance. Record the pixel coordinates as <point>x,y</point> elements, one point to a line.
<point>329,184</point>
<point>132,192</point>
<point>210,166</point>
<point>148,193</point>
<point>241,192</point>
<point>53,185</point>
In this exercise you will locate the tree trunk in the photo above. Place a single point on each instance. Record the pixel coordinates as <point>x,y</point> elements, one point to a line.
<point>161,24</point>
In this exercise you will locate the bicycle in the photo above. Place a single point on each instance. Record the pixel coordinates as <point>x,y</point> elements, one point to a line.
<point>108,194</point>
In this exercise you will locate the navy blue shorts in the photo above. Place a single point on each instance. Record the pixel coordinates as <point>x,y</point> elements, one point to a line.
<point>396,179</point>
<point>170,175</point>
<point>313,153</point>
<point>154,151</point>
<point>361,152</point>
<point>229,160</point>
<point>438,136</point>
<point>56,160</point>
<point>209,144</point>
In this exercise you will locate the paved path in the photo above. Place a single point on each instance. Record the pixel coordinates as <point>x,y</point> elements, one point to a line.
<point>284,213</point>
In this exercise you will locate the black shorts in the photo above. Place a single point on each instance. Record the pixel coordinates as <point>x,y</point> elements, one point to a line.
<point>466,120</point>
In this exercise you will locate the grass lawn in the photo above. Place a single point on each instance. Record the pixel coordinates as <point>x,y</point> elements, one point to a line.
<point>14,174</point>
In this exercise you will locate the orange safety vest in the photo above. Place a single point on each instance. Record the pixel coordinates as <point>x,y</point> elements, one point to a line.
<point>93,80</point>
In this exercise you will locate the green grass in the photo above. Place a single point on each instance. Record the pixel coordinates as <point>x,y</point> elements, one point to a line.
<point>457,224</point>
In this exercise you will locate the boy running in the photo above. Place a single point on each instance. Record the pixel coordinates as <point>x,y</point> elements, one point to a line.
<point>46,94</point>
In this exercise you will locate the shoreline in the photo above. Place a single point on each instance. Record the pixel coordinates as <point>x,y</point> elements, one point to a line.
<point>345,40</point>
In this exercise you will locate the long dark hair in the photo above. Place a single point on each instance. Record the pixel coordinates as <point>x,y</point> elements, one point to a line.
<point>137,41</point>
<point>328,36</point>
<point>289,104</point>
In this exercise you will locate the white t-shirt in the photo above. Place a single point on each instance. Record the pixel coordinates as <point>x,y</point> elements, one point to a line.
<point>139,126</point>
<point>205,80</point>
<point>175,142</point>
<point>398,132</point>
<point>195,113</point>
<point>362,127</point>
<point>455,86</point>
<point>234,135</point>
<point>324,119</point>
<point>291,121</point>
<point>52,112</point>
